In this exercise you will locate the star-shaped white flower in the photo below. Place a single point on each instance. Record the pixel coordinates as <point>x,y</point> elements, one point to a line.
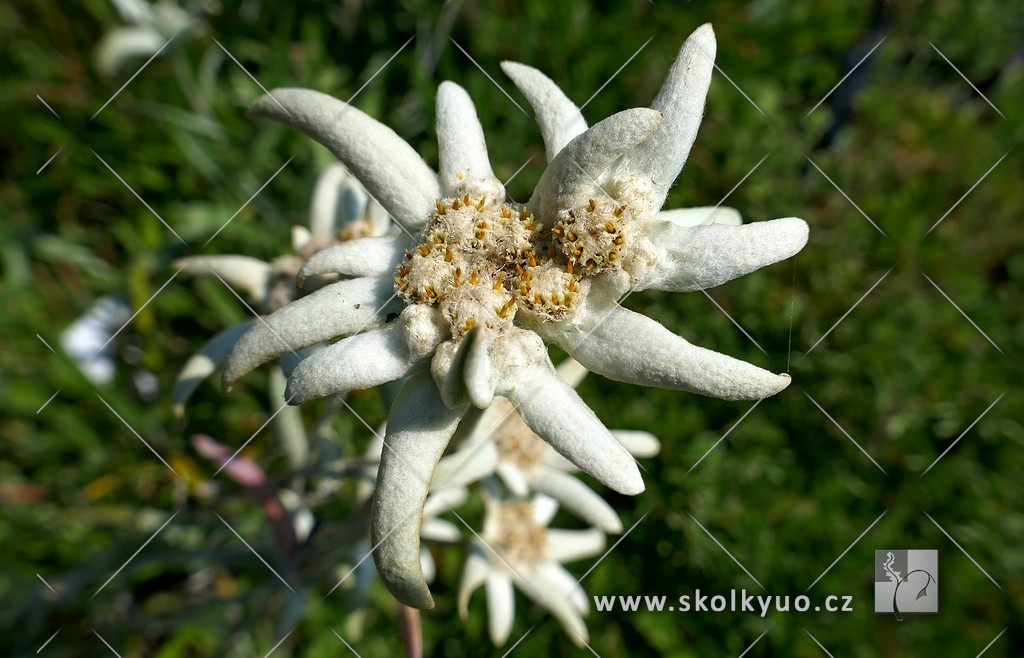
<point>465,307</point>
<point>518,548</point>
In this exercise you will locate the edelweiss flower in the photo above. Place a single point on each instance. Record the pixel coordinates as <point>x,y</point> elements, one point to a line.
<point>517,547</point>
<point>472,299</point>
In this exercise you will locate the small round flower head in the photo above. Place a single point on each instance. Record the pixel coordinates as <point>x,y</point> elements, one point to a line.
<point>464,301</point>
<point>518,549</point>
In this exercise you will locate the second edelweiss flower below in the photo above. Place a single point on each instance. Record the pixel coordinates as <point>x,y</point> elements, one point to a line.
<point>465,308</point>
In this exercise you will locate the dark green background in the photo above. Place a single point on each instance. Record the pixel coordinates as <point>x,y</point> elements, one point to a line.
<point>786,492</point>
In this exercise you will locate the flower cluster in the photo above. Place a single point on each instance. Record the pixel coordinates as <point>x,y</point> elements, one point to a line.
<point>461,303</point>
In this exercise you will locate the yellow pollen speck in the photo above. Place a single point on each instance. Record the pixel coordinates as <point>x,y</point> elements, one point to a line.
<point>440,208</point>
<point>462,175</point>
<point>497,284</point>
<point>456,204</point>
<point>504,211</point>
<point>619,210</point>
<point>465,200</point>
<point>448,255</point>
<point>483,201</point>
<point>531,259</point>
<point>424,250</point>
<point>608,226</point>
<point>593,205</point>
<point>473,278</point>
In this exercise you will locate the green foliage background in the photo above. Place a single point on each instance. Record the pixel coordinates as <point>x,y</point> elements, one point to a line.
<point>786,492</point>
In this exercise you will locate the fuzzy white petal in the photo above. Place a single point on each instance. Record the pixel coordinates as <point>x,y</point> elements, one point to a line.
<point>513,478</point>
<point>441,501</point>
<point>572,545</point>
<point>372,256</point>
<point>576,497</point>
<point>387,166</point>
<point>662,156</point>
<point>338,309</point>
<point>478,374</point>
<point>544,509</point>
<point>439,530</point>
<point>203,363</point>
<point>474,573</point>
<point>467,465</point>
<point>701,216</point>
<point>558,117</point>
<point>706,256</point>
<point>629,347</point>
<point>336,200</point>
<point>419,428</point>
<point>556,413</point>
<point>537,586</point>
<point>368,359</point>
<point>248,276</point>
<point>573,175</point>
<point>462,151</point>
<point>638,442</point>
<point>501,606</point>
<point>565,582</point>
<point>571,372</point>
